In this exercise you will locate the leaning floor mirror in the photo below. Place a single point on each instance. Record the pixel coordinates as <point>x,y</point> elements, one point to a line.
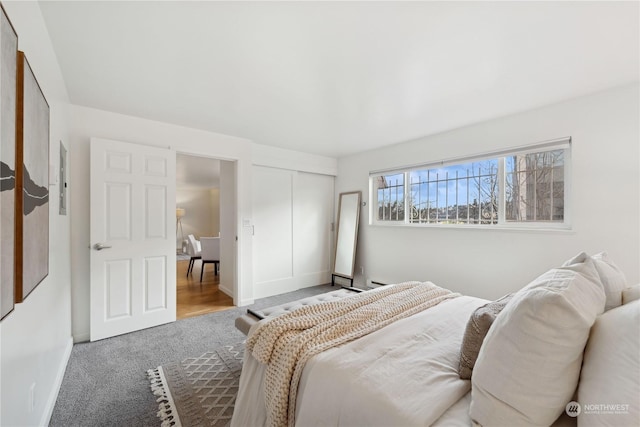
<point>346,235</point>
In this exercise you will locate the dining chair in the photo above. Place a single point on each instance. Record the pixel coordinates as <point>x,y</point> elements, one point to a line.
<point>194,251</point>
<point>210,253</point>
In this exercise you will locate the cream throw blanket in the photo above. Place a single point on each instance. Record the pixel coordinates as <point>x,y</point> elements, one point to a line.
<point>285,343</point>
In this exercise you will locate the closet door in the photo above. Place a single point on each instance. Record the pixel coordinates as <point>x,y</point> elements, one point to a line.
<point>273,231</point>
<point>292,215</point>
<point>312,235</point>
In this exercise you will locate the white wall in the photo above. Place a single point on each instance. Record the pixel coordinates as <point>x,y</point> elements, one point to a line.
<point>35,339</point>
<point>214,205</point>
<point>202,207</point>
<point>293,160</point>
<point>490,263</point>
<point>88,122</point>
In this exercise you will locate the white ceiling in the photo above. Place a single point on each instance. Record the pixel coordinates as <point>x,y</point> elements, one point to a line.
<point>334,78</point>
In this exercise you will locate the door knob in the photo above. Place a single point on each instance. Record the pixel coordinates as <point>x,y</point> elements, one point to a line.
<point>100,246</point>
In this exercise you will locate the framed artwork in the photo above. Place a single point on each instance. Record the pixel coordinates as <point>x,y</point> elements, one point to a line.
<point>8,57</point>
<point>32,182</point>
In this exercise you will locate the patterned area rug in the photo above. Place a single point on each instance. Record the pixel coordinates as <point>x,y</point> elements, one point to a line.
<point>199,391</point>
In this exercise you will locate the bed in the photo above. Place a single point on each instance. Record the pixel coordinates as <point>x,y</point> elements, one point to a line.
<point>408,372</point>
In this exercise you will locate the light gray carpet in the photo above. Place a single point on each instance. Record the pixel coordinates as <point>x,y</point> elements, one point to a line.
<point>106,384</point>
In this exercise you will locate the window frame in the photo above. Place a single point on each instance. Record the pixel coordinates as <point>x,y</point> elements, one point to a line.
<point>551,145</point>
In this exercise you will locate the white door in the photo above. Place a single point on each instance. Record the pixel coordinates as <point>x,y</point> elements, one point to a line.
<point>273,238</point>
<point>312,234</point>
<point>132,237</point>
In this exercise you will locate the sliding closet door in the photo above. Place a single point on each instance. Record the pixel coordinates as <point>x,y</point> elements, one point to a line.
<point>312,236</point>
<point>273,234</point>
<point>292,215</point>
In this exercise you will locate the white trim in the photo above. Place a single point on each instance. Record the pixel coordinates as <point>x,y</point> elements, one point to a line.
<point>525,227</point>
<point>502,185</point>
<point>51,402</point>
<point>568,187</point>
<point>281,158</point>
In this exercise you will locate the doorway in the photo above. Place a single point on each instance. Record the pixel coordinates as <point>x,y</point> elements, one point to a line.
<point>205,207</point>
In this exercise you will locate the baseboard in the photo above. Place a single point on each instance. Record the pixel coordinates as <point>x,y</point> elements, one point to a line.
<point>51,402</point>
<point>310,280</point>
<point>229,292</point>
<point>226,290</point>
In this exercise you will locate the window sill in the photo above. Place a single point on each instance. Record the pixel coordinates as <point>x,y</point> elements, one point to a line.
<point>540,228</point>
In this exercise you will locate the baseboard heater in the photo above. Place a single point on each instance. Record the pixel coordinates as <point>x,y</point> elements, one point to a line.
<point>254,313</point>
<point>373,282</point>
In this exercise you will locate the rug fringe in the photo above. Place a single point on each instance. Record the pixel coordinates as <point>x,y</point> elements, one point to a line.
<point>167,409</point>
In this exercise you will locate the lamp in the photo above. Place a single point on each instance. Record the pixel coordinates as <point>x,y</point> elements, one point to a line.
<point>180,212</point>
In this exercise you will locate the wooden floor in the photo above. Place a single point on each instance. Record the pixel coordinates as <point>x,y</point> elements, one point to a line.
<point>194,297</point>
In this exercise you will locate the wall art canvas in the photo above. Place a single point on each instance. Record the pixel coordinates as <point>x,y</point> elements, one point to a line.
<point>32,179</point>
<point>8,55</point>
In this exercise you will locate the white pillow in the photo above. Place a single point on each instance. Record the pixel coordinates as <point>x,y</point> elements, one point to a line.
<point>611,276</point>
<point>631,294</point>
<point>529,363</point>
<point>611,370</point>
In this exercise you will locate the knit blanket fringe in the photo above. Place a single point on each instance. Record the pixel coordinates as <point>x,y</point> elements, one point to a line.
<point>285,343</point>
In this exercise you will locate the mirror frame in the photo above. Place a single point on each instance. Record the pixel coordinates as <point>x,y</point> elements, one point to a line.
<point>352,248</point>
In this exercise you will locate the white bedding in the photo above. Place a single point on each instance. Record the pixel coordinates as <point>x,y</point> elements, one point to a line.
<point>404,374</point>
<point>458,416</point>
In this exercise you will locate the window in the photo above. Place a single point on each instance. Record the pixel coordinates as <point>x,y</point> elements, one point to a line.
<point>534,187</point>
<point>527,186</point>
<point>390,197</point>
